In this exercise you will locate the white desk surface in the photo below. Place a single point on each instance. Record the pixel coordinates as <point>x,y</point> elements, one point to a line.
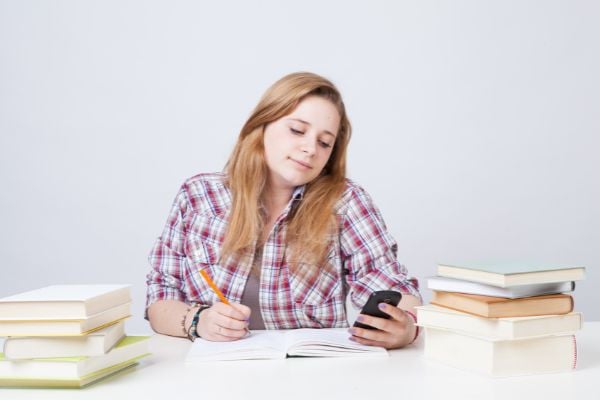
<point>406,374</point>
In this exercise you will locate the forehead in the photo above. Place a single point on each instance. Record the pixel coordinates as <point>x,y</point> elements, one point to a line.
<point>319,112</point>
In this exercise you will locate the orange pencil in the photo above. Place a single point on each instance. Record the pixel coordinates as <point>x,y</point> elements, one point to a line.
<point>216,290</point>
<point>213,286</point>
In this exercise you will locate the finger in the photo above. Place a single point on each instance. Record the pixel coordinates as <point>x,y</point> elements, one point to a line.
<point>231,311</point>
<point>215,337</point>
<point>381,324</point>
<point>367,342</point>
<point>396,313</point>
<point>230,323</point>
<point>245,310</point>
<point>370,334</point>
<point>229,333</point>
<point>375,322</point>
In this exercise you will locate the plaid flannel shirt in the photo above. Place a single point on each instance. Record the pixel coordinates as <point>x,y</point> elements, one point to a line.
<point>361,260</point>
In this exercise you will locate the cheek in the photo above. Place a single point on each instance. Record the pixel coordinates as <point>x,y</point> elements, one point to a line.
<point>324,157</point>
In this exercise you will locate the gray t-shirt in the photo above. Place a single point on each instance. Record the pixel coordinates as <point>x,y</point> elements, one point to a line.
<point>250,297</point>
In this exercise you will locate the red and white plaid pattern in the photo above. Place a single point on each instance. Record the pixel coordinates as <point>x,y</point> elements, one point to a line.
<point>364,251</point>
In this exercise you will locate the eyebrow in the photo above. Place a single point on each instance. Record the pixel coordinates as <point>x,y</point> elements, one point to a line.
<point>308,123</point>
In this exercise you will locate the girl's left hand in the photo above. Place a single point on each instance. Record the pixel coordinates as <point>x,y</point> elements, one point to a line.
<point>393,333</point>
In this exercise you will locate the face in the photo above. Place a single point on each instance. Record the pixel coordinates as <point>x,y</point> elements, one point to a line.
<point>298,145</point>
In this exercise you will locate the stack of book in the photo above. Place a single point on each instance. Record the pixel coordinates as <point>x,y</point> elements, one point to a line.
<point>67,335</point>
<point>502,319</point>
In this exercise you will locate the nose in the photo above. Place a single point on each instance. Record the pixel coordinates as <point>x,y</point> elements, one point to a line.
<point>309,145</point>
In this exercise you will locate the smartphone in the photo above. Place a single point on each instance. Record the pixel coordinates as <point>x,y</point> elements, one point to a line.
<point>371,306</point>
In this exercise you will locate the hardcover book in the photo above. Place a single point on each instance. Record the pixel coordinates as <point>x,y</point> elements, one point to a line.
<point>431,316</point>
<point>93,344</point>
<point>440,283</point>
<point>60,302</point>
<point>502,358</point>
<point>72,371</point>
<point>66,327</point>
<point>498,307</point>
<point>511,274</point>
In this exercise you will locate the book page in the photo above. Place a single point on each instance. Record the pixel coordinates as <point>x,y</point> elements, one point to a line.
<point>255,346</point>
<point>327,343</point>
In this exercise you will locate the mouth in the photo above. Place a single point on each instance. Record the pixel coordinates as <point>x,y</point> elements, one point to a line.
<point>302,164</point>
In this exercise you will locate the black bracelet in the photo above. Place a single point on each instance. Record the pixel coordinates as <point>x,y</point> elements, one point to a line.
<point>192,334</point>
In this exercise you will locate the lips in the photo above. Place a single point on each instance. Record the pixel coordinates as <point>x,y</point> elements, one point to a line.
<point>303,164</point>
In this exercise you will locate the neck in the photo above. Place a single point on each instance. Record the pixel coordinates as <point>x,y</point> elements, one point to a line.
<point>275,199</point>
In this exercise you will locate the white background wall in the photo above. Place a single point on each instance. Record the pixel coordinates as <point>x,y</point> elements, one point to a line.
<point>475,124</point>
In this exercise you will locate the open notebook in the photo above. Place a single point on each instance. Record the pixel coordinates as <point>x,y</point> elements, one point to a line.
<point>278,344</point>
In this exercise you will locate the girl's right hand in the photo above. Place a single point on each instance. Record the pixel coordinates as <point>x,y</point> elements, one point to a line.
<point>224,323</point>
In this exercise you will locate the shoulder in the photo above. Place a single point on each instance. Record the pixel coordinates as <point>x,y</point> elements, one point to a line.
<point>207,192</point>
<point>353,196</point>
<point>205,181</point>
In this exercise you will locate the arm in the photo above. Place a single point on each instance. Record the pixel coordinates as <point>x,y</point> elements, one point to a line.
<point>167,317</point>
<point>220,322</point>
<point>369,254</point>
<point>167,305</point>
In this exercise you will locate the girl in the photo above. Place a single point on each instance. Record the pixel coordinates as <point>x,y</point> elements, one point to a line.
<point>282,233</point>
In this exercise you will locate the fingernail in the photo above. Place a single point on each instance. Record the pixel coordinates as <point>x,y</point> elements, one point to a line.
<point>352,331</point>
<point>360,318</point>
<point>352,338</point>
<point>382,306</point>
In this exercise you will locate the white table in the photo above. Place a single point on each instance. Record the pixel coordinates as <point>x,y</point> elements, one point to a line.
<point>406,374</point>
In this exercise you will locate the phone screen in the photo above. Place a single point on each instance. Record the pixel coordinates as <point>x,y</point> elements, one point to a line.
<point>371,307</point>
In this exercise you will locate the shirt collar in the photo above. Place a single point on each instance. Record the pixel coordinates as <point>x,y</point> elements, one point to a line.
<point>298,193</point>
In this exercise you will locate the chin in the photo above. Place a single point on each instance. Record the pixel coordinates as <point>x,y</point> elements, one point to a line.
<point>299,181</point>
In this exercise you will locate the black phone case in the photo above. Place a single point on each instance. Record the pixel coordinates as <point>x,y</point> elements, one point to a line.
<point>371,306</point>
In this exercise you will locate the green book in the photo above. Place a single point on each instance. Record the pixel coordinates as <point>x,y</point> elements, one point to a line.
<point>72,371</point>
<point>511,274</point>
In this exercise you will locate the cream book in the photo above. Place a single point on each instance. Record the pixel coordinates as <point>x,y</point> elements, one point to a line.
<point>64,327</point>
<point>431,316</point>
<point>501,358</point>
<point>63,302</point>
<point>511,274</point>
<point>93,344</point>
<point>441,283</point>
<point>72,371</point>
<point>279,344</point>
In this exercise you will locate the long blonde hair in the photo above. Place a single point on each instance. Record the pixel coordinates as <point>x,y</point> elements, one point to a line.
<point>312,223</point>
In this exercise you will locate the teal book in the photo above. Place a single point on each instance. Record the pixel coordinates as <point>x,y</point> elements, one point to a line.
<point>512,273</point>
<point>72,371</point>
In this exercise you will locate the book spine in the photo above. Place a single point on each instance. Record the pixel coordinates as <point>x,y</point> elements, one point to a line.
<point>574,352</point>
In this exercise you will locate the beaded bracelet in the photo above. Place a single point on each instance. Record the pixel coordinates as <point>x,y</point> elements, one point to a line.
<point>414,317</point>
<point>192,332</point>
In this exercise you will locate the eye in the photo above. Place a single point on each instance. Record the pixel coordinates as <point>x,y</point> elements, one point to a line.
<point>324,144</point>
<point>296,132</point>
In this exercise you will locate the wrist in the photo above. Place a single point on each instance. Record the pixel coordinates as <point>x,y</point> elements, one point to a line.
<point>416,327</point>
<point>194,318</point>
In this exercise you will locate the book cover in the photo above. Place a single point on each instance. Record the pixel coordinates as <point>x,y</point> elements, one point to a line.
<point>94,344</point>
<point>498,307</point>
<point>501,358</point>
<point>511,274</point>
<point>69,383</point>
<point>44,327</point>
<point>72,371</point>
<point>279,344</point>
<point>62,302</point>
<point>440,283</point>
<point>431,316</point>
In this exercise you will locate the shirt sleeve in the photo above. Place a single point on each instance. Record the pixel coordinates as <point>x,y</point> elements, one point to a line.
<point>369,252</point>
<point>168,261</point>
